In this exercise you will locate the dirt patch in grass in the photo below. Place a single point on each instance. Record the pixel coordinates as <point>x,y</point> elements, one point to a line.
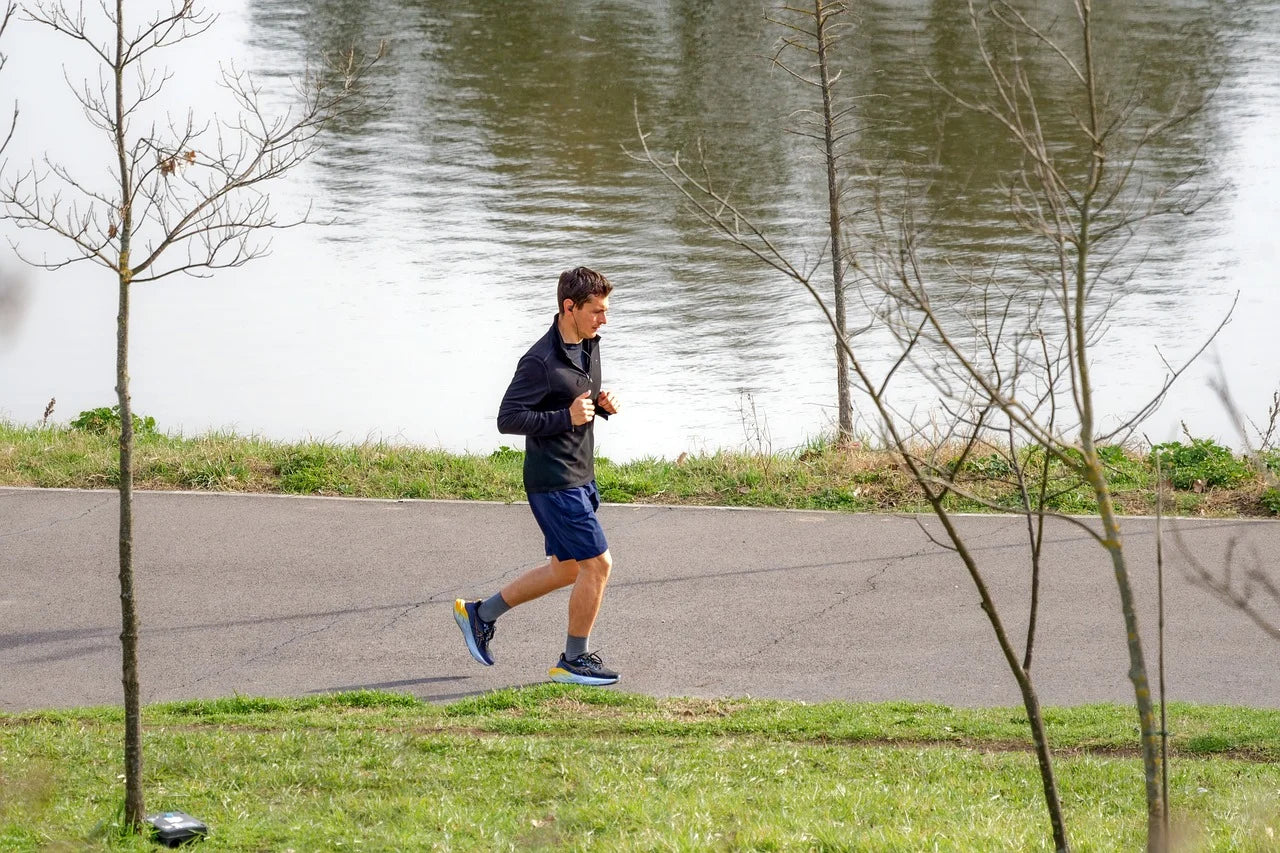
<point>701,709</point>
<point>1244,501</point>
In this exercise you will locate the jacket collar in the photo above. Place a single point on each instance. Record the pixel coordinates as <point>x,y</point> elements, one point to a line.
<point>557,340</point>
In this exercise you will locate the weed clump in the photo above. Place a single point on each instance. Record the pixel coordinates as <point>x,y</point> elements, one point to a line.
<point>1203,463</point>
<point>105,420</point>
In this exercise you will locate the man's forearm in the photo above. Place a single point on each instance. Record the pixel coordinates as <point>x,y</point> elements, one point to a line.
<point>514,421</point>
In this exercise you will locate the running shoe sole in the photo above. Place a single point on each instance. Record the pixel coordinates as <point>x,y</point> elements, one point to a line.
<point>564,676</point>
<point>463,619</point>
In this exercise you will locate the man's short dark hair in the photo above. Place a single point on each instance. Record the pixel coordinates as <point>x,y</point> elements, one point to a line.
<point>580,284</point>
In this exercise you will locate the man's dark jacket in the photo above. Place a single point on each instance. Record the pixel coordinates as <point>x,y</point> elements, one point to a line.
<point>558,455</point>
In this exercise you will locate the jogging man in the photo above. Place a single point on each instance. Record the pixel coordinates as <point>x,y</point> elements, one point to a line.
<point>553,401</point>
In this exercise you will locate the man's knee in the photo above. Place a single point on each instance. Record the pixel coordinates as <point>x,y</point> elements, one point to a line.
<point>598,566</point>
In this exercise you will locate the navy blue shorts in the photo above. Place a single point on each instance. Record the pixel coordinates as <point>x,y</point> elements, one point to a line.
<point>568,521</point>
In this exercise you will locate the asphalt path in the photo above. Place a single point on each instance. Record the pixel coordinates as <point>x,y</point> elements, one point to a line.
<point>269,595</point>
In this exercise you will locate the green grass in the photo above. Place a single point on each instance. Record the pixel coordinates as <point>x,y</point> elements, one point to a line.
<point>821,476</point>
<point>553,766</point>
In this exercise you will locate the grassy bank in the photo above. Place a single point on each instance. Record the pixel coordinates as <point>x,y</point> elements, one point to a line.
<point>821,476</point>
<point>583,769</point>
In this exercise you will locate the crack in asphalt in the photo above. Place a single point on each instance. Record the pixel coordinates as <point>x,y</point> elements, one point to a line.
<point>869,585</point>
<point>55,522</point>
<point>435,597</point>
<point>295,638</point>
<point>262,655</point>
<point>389,625</point>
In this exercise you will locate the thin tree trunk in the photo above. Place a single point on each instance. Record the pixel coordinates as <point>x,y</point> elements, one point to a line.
<point>135,811</point>
<point>1164,704</point>
<point>1030,700</point>
<point>1112,541</point>
<point>1034,514</point>
<point>1151,759</point>
<point>845,405</point>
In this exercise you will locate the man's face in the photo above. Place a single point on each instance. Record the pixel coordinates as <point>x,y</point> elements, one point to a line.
<point>590,315</point>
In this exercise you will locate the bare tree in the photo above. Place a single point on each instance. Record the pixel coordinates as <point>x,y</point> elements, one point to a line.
<point>808,32</point>
<point>185,196</point>
<point>1073,193</point>
<point>830,128</point>
<point>1009,350</point>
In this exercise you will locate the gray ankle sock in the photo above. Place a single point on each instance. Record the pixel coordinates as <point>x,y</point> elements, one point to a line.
<point>492,607</point>
<point>575,647</point>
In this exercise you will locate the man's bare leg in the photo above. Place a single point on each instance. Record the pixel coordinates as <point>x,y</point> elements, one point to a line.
<point>577,665</point>
<point>588,577</point>
<point>540,580</point>
<point>477,624</point>
<point>588,591</point>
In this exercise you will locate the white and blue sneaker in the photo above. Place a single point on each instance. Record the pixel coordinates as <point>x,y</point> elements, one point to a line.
<point>586,668</point>
<point>475,630</point>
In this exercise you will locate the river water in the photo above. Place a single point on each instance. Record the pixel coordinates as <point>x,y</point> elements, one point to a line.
<point>494,157</point>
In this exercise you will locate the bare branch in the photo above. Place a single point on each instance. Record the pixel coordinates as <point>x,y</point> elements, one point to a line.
<point>56,17</point>
<point>167,29</point>
<point>1126,429</point>
<point>9,10</point>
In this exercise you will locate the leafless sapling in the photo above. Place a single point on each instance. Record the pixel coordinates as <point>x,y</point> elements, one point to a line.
<point>185,196</point>
<point>808,32</point>
<point>1076,194</point>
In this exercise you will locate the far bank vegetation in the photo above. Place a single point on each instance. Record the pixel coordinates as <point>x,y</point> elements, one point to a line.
<point>1202,477</point>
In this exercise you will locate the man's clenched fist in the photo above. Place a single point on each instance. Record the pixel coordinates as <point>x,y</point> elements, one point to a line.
<point>582,410</point>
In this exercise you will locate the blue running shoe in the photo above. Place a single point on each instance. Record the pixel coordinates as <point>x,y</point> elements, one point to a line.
<point>584,669</point>
<point>475,630</point>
